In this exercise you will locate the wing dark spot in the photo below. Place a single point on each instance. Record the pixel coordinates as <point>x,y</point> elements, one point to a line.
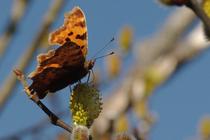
<point>82,37</point>
<point>71,33</point>
<point>67,39</point>
<point>81,24</point>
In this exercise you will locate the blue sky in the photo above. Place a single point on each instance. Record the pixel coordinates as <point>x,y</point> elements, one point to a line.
<point>180,103</point>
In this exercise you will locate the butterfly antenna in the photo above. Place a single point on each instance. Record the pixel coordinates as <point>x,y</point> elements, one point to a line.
<point>107,44</point>
<point>111,53</point>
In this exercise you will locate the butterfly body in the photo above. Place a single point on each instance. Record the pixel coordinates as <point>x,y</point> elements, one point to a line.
<point>67,64</point>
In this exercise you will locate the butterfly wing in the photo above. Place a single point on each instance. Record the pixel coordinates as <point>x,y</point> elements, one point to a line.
<point>68,55</point>
<point>65,65</point>
<point>58,71</point>
<point>74,29</point>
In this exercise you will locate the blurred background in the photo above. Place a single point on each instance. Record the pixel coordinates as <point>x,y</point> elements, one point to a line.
<point>161,64</point>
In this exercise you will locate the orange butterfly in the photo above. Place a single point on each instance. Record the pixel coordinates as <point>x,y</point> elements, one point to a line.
<point>67,64</point>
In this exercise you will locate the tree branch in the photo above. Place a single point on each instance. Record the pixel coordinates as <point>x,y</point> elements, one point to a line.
<point>53,118</point>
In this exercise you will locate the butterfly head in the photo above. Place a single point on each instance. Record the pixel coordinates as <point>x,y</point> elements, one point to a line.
<point>89,64</point>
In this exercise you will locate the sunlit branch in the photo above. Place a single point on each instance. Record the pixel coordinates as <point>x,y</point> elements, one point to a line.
<point>53,118</point>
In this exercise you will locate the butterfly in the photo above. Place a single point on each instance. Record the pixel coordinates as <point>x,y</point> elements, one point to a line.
<point>67,64</point>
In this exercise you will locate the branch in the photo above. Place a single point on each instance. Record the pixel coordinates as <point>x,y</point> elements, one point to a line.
<point>53,118</point>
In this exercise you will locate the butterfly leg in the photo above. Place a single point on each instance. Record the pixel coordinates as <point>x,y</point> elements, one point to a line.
<point>70,88</point>
<point>93,75</point>
<point>88,76</point>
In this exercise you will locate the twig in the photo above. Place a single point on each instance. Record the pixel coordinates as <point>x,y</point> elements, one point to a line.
<point>53,118</point>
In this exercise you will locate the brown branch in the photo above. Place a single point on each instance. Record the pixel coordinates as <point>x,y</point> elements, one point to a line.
<point>9,84</point>
<point>53,118</point>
